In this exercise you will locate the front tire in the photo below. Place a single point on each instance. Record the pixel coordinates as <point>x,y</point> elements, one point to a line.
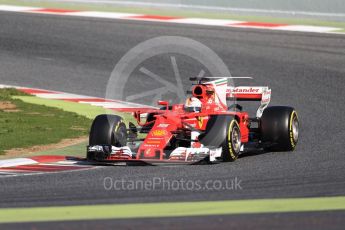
<point>232,144</point>
<point>108,130</point>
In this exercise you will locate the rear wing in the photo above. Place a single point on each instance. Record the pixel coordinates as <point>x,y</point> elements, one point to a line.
<point>249,93</point>
<point>226,93</point>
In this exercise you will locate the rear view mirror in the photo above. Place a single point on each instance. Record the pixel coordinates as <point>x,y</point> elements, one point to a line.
<point>164,103</point>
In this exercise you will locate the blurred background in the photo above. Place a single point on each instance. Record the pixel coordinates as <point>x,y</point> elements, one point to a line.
<point>318,9</point>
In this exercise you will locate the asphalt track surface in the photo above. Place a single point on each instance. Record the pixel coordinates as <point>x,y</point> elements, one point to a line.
<point>315,220</point>
<point>77,55</point>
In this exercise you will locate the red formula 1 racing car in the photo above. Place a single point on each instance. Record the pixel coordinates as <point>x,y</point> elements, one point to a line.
<point>209,127</point>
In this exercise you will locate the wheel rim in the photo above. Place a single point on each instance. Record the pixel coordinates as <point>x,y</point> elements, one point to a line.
<point>119,137</point>
<point>236,139</point>
<point>295,129</point>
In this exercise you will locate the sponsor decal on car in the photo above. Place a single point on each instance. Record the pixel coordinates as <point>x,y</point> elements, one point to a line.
<point>163,125</point>
<point>246,90</point>
<point>159,133</point>
<point>150,142</point>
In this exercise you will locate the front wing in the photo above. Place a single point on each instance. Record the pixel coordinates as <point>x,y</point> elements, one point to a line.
<point>111,155</point>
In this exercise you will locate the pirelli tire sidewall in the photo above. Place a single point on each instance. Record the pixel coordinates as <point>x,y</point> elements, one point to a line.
<point>108,129</point>
<point>216,130</point>
<point>280,128</point>
<point>230,151</point>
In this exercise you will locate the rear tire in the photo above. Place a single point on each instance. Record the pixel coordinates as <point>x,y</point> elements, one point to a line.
<point>280,128</point>
<point>108,130</point>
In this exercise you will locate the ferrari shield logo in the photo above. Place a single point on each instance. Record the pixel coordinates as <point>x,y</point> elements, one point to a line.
<point>200,121</point>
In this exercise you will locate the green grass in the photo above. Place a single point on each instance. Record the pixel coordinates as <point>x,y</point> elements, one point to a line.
<point>177,13</point>
<point>173,209</point>
<point>31,124</point>
<point>84,110</point>
<point>77,150</point>
<point>44,121</point>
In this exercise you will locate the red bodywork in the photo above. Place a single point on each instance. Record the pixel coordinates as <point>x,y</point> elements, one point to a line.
<point>175,120</point>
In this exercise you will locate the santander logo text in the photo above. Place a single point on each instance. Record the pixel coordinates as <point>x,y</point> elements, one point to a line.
<point>246,90</point>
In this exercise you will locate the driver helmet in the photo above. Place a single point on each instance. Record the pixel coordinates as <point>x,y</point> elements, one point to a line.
<point>192,104</point>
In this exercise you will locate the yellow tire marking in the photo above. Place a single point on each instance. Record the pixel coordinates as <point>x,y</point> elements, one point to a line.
<point>292,141</point>
<point>232,154</point>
